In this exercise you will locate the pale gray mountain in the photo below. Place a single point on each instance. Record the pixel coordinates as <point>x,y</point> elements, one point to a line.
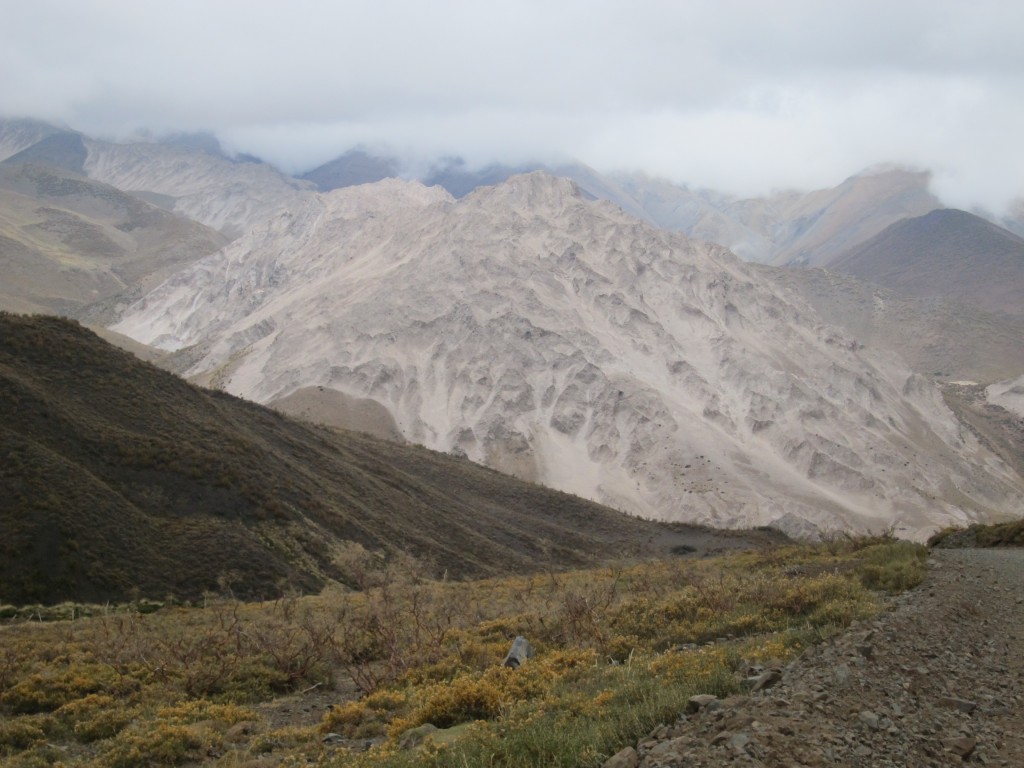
<point>64,150</point>
<point>184,173</point>
<point>945,290</point>
<point>787,228</point>
<point>19,134</point>
<point>559,339</point>
<point>458,178</point>
<point>704,214</point>
<point>214,190</point>
<point>188,173</point>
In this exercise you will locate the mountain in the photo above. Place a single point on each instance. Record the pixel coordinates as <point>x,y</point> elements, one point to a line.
<point>191,175</point>
<point>804,229</point>
<point>823,224</point>
<point>222,193</point>
<point>1013,219</point>
<point>459,178</point>
<point>938,337</point>
<point>946,253</point>
<point>120,478</point>
<point>63,151</point>
<point>67,242</point>
<point>556,338</point>
<point>187,174</point>
<point>201,141</point>
<point>21,133</point>
<point>1009,395</point>
<point>702,214</point>
<point>356,166</point>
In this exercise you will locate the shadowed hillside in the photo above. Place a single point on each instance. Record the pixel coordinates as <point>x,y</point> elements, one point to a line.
<point>945,253</point>
<point>120,478</point>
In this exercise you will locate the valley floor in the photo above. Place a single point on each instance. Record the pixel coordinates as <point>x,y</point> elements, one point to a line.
<point>936,680</point>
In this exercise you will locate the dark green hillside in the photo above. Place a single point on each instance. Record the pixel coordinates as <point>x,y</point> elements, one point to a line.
<point>117,478</point>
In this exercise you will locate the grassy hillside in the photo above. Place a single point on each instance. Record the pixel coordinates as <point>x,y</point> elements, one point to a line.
<point>120,479</point>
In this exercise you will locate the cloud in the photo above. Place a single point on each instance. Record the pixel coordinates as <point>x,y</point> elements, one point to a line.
<point>742,95</point>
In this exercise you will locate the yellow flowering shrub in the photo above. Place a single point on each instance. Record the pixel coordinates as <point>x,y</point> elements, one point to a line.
<point>366,717</point>
<point>46,691</point>
<point>96,716</point>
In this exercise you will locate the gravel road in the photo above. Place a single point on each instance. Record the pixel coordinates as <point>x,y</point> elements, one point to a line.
<point>935,680</point>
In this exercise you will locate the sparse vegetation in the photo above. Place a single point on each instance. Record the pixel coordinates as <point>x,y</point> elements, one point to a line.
<point>1010,534</point>
<point>618,649</point>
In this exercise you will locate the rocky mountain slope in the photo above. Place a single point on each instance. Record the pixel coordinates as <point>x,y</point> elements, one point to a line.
<point>17,135</point>
<point>118,477</point>
<point>191,175</point>
<point>225,194</point>
<point>67,241</point>
<point>939,337</point>
<point>786,227</point>
<point>186,173</point>
<point>1009,395</point>
<point>945,253</point>
<point>944,290</point>
<point>558,339</point>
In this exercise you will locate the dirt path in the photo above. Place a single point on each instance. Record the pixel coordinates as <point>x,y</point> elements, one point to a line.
<point>936,680</point>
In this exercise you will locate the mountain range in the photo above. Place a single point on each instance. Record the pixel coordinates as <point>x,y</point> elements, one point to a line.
<point>576,329</point>
<point>557,338</point>
<point>120,479</point>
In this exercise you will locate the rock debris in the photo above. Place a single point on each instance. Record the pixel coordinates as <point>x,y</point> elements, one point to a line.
<point>935,680</point>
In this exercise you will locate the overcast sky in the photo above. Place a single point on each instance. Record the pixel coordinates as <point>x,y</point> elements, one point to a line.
<point>742,96</point>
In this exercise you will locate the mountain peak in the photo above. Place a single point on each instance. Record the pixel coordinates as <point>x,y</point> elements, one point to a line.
<point>387,194</point>
<point>536,188</point>
<point>944,253</point>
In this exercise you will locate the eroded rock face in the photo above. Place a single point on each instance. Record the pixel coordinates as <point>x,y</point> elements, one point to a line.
<point>559,339</point>
<point>227,195</point>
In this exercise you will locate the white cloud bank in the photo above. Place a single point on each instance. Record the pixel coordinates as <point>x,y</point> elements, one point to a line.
<point>742,96</point>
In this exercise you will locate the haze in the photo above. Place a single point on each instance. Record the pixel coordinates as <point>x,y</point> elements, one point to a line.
<point>738,96</point>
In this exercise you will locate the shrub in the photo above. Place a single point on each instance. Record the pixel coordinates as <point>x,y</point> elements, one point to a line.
<point>19,734</point>
<point>45,692</point>
<point>894,566</point>
<point>159,744</point>
<point>367,717</point>
<point>96,716</point>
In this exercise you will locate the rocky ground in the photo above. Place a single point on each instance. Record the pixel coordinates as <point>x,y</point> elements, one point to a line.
<point>935,680</point>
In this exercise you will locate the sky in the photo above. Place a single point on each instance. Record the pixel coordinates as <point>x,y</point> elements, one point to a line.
<point>742,96</point>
